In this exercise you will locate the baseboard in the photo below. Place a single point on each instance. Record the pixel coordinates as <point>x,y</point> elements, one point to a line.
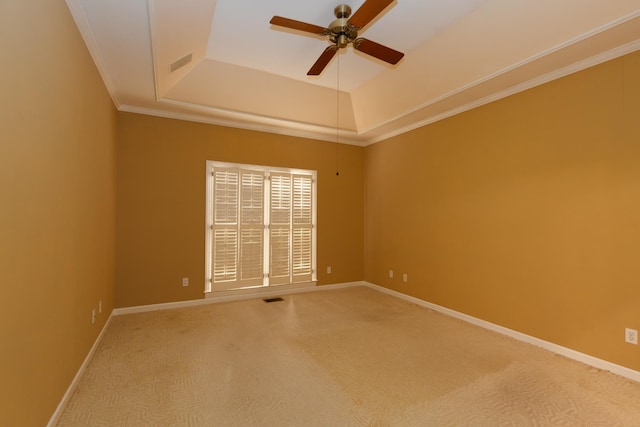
<point>76,379</point>
<point>554,348</point>
<point>230,296</point>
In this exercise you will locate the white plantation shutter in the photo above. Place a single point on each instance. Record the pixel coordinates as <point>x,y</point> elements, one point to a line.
<point>251,227</point>
<point>259,234</point>
<point>302,228</point>
<point>280,229</point>
<point>291,228</point>
<point>238,228</point>
<point>225,225</point>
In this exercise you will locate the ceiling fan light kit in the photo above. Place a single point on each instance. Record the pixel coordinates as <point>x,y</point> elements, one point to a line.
<point>344,31</point>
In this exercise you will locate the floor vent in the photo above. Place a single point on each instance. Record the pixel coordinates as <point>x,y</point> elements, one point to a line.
<point>273,299</point>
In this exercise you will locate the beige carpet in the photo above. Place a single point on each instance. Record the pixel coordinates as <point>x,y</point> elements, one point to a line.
<point>350,357</point>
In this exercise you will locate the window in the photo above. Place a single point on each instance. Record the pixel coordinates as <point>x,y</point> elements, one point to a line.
<point>260,228</point>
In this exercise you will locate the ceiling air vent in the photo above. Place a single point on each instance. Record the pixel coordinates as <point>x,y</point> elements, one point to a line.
<point>181,62</point>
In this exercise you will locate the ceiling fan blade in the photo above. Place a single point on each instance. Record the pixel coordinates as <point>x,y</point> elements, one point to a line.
<point>369,10</point>
<point>323,61</point>
<point>297,25</point>
<point>379,51</point>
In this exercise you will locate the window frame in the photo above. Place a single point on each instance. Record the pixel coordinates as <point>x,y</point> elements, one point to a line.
<point>234,286</point>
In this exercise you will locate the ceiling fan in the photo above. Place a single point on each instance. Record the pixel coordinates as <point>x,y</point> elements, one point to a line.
<point>344,30</point>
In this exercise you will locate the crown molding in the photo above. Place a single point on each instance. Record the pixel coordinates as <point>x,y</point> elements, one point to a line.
<point>529,84</point>
<point>92,45</point>
<point>250,122</point>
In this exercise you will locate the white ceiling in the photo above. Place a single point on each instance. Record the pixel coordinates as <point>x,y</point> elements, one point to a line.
<point>403,26</point>
<point>246,73</point>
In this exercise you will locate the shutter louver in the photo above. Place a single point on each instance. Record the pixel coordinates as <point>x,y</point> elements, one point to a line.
<point>251,228</point>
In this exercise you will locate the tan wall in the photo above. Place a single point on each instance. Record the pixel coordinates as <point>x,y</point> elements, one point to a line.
<point>524,212</point>
<point>527,215</point>
<point>161,202</point>
<point>57,207</point>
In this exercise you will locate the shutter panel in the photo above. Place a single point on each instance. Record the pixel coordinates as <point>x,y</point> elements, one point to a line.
<point>251,228</point>
<point>301,254</point>
<point>240,247</point>
<point>280,199</point>
<point>302,228</point>
<point>302,199</point>
<point>279,256</point>
<point>225,255</point>
<point>225,226</point>
<point>280,229</point>
<point>226,196</point>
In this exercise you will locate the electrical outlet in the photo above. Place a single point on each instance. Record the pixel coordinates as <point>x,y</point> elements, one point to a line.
<point>93,316</point>
<point>631,336</point>
<point>185,281</point>
<point>390,274</point>
<point>328,270</point>
<point>405,278</point>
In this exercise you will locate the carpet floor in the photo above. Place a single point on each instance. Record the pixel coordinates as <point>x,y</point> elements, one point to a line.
<point>347,357</point>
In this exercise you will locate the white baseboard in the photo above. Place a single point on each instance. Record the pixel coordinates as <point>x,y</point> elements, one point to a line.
<point>241,294</point>
<point>76,379</point>
<point>555,348</point>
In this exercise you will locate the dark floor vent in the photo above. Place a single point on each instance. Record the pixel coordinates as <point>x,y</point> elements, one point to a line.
<point>273,299</point>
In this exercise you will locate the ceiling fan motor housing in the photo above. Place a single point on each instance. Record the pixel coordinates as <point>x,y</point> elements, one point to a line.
<point>342,32</point>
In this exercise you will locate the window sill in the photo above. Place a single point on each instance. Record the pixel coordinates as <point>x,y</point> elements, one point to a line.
<point>259,291</point>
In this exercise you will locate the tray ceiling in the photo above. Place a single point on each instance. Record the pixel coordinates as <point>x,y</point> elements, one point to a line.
<point>231,67</point>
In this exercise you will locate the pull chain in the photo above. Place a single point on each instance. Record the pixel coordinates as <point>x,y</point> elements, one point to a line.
<point>338,118</point>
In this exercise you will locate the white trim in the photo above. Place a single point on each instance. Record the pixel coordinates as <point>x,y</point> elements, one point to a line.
<point>521,87</point>
<point>250,122</point>
<point>76,379</point>
<point>154,58</point>
<point>554,348</point>
<point>208,219</point>
<point>263,292</point>
<point>158,307</point>
<point>247,121</point>
<point>234,295</point>
<point>591,61</point>
<point>258,292</point>
<point>261,168</point>
<point>92,46</point>
<point>254,122</point>
<point>268,174</point>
